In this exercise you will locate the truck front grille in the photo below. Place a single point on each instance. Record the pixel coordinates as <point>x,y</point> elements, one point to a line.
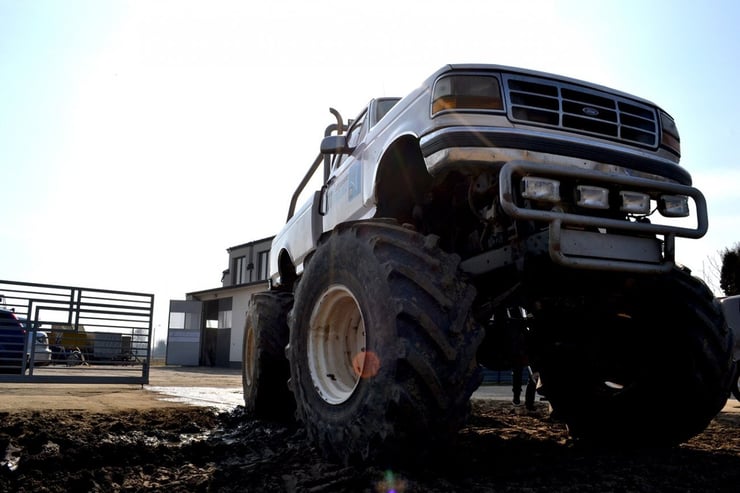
<point>544,102</point>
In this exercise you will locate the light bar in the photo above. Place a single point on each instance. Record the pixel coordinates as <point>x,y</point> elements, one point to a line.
<point>674,205</point>
<point>592,197</point>
<point>540,189</point>
<point>635,202</point>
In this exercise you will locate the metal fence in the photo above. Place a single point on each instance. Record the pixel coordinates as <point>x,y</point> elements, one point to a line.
<point>75,335</point>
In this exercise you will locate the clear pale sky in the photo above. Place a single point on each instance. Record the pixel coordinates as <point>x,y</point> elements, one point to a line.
<point>139,140</point>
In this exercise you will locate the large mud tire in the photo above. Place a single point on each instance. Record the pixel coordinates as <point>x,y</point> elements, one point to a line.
<point>382,344</point>
<point>636,345</point>
<point>265,370</point>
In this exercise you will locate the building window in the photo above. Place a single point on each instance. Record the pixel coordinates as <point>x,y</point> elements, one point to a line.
<point>240,270</point>
<point>224,319</point>
<point>263,265</point>
<point>183,320</point>
<point>177,320</point>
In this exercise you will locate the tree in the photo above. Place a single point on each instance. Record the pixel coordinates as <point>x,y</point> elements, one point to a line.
<point>730,274</point>
<point>160,349</point>
<point>711,271</point>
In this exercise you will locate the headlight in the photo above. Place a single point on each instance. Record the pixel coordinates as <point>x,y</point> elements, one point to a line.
<point>467,92</point>
<point>669,137</point>
<point>635,202</point>
<point>674,205</point>
<point>540,189</point>
<point>592,197</point>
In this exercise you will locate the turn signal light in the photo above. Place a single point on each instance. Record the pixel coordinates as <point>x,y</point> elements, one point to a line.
<point>467,92</point>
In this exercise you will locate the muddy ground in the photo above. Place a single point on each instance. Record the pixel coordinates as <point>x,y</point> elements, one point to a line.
<point>191,449</point>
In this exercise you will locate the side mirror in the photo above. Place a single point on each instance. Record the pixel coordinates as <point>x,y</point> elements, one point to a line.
<point>334,144</point>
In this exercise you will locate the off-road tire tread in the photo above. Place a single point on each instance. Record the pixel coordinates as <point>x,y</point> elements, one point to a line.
<point>269,396</point>
<point>423,398</point>
<point>690,322</point>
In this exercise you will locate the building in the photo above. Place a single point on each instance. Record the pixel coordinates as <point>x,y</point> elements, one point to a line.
<point>207,328</point>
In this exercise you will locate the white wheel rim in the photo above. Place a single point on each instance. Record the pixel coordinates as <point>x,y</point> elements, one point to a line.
<point>336,345</point>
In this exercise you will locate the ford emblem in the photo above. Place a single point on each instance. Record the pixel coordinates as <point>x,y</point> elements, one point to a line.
<point>589,111</point>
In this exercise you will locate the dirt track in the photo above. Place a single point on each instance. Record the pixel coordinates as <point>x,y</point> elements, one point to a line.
<point>173,447</point>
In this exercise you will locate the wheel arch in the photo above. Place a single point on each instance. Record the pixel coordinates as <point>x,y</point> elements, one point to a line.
<point>286,270</point>
<point>401,180</point>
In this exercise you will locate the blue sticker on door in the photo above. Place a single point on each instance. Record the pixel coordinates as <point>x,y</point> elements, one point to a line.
<point>355,181</point>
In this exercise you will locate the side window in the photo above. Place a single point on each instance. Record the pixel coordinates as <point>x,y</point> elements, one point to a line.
<point>356,132</point>
<point>354,137</point>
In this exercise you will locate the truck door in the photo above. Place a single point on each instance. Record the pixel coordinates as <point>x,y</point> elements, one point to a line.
<point>342,199</point>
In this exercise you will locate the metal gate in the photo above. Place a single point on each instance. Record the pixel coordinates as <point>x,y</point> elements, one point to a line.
<point>75,335</point>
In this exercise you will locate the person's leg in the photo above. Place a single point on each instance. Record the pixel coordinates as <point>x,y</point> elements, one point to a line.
<point>516,383</point>
<point>530,391</point>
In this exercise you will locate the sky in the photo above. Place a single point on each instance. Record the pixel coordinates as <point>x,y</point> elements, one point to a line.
<point>141,139</point>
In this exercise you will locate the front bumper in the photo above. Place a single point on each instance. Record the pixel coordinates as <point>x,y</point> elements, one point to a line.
<point>584,241</point>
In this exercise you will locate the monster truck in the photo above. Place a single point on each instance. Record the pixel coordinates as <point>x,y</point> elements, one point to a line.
<point>485,189</point>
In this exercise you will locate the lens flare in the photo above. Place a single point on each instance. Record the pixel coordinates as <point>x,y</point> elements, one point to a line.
<point>390,484</point>
<point>366,364</point>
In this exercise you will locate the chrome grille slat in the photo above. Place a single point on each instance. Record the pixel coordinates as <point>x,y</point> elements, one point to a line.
<point>578,109</point>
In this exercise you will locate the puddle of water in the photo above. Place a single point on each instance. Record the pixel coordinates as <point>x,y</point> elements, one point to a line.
<point>227,399</point>
<point>223,399</point>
